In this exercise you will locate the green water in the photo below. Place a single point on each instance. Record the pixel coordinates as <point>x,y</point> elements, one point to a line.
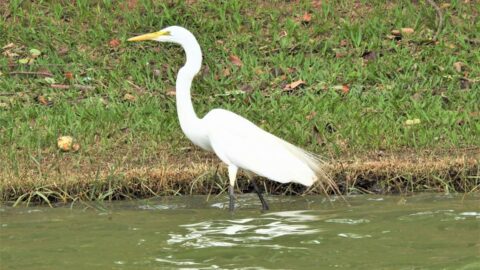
<point>373,232</point>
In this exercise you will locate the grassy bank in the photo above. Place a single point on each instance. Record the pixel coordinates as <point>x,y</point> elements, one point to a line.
<point>366,92</point>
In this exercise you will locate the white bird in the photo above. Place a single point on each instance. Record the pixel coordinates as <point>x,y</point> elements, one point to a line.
<point>239,143</point>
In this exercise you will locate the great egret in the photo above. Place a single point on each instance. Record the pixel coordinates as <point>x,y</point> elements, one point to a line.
<point>235,140</point>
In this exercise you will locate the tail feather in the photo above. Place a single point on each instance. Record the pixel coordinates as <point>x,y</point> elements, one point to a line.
<point>318,166</point>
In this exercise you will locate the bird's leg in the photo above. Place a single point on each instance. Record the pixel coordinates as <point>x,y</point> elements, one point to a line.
<point>232,175</point>
<point>260,196</point>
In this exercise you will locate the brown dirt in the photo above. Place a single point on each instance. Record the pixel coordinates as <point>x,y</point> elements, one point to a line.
<point>66,177</point>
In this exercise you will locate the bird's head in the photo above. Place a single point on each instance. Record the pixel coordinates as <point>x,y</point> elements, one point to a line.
<point>175,34</point>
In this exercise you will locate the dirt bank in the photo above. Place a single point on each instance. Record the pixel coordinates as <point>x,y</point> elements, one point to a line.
<point>57,178</point>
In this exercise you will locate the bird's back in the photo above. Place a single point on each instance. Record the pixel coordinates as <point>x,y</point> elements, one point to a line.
<point>238,141</point>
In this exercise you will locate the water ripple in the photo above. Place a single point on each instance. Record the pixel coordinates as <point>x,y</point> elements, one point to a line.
<point>248,232</point>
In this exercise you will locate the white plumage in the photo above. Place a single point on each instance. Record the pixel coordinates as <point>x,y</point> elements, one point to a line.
<point>235,140</point>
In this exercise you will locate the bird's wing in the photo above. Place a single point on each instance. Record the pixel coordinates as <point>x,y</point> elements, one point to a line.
<point>239,142</point>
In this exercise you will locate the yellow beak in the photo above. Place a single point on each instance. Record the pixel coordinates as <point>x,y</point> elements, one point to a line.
<point>150,36</point>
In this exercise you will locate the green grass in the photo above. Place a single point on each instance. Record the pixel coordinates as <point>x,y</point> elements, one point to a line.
<point>411,78</point>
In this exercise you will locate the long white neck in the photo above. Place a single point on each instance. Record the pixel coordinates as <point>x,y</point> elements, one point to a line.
<point>189,121</point>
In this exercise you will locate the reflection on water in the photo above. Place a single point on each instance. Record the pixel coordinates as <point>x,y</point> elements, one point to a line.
<point>371,232</point>
<point>248,232</point>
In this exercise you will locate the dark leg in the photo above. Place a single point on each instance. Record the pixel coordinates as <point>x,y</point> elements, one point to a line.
<point>260,196</point>
<point>231,194</point>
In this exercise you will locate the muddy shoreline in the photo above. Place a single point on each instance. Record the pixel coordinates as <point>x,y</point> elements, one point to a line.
<point>405,172</point>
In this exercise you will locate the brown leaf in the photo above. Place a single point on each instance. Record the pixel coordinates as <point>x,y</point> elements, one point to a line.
<point>235,60</point>
<point>317,137</point>
<point>226,72</point>
<point>464,83</point>
<point>43,100</point>
<point>396,32</point>
<point>60,86</point>
<point>458,66</point>
<point>63,50</point>
<point>311,115</point>
<point>307,17</point>
<point>247,88</point>
<point>343,87</point>
<point>114,43</point>
<point>132,4</point>
<point>75,147</point>
<point>293,85</point>
<point>317,3</point>
<point>369,55</point>
<point>171,92</point>
<point>340,54</point>
<point>68,75</point>
<point>407,30</point>
<point>343,43</point>
<point>129,97</point>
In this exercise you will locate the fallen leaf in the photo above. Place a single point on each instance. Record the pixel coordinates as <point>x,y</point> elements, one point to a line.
<point>258,71</point>
<point>407,30</point>
<point>343,87</point>
<point>35,52</point>
<point>247,88</point>
<point>8,46</point>
<point>417,96</point>
<point>157,72</point>
<point>75,147</point>
<point>129,97</point>
<point>226,72</point>
<point>62,50</point>
<point>369,55</point>
<point>24,61</point>
<point>65,143</point>
<point>68,75</point>
<point>475,114</point>
<point>340,54</point>
<point>43,100</point>
<point>293,85</point>
<point>330,128</point>
<point>396,32</point>
<point>311,115</point>
<point>444,5</point>
<point>235,60</point>
<point>317,136</point>
<point>411,122</point>
<point>450,45</point>
<point>171,93</point>
<point>49,80</point>
<point>317,3</point>
<point>307,17</point>
<point>458,66</point>
<point>114,43</point>
<point>60,86</point>
<point>464,83</point>
<point>343,43</point>
<point>132,4</point>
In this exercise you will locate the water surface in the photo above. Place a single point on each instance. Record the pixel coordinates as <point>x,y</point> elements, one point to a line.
<point>427,231</point>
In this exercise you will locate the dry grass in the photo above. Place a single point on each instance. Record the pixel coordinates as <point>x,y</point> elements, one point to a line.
<point>56,180</point>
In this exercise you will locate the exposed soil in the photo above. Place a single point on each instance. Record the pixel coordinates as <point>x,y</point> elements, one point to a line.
<point>63,177</point>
